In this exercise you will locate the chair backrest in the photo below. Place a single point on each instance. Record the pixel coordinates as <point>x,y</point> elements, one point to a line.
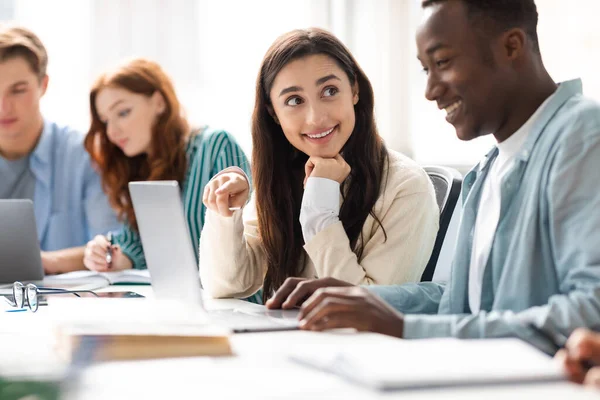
<point>447,183</point>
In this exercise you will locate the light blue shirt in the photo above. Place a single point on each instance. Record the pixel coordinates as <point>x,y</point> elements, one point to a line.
<point>544,264</point>
<point>18,182</point>
<point>70,206</point>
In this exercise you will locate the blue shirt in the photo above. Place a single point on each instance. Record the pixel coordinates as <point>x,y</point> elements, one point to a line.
<point>18,182</point>
<point>544,264</point>
<point>70,206</point>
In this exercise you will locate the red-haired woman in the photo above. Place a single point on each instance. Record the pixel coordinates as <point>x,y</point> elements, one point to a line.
<point>138,132</point>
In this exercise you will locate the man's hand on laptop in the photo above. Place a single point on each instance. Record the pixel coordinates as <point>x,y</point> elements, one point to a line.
<point>95,256</point>
<point>350,307</point>
<point>296,291</point>
<point>226,193</point>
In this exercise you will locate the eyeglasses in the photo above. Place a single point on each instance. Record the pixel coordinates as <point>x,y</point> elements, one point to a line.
<point>29,294</point>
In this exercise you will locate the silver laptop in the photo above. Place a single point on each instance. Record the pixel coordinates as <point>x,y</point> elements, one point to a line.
<point>20,257</point>
<point>170,257</point>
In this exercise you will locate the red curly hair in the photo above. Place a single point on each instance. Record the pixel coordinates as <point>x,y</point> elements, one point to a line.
<point>166,159</point>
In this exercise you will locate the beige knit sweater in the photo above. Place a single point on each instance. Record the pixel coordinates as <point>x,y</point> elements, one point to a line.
<point>232,259</point>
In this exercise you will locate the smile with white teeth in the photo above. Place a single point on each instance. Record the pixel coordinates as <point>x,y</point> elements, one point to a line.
<point>321,135</point>
<point>452,107</point>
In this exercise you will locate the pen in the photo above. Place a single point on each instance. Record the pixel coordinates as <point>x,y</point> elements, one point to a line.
<point>560,342</point>
<point>109,255</point>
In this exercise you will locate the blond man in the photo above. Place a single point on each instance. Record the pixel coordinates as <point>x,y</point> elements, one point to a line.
<point>45,162</point>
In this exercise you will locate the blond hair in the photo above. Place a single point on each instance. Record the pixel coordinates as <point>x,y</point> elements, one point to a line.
<point>16,41</point>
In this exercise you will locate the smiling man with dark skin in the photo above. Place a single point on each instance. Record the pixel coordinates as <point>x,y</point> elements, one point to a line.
<point>527,260</point>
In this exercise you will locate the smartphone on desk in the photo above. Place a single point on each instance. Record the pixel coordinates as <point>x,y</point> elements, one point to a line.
<point>116,295</point>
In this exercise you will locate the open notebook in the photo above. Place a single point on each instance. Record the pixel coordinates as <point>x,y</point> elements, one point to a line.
<point>88,280</point>
<point>386,363</point>
<point>98,280</point>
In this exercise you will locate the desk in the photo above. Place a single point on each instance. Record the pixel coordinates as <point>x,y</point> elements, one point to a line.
<point>257,372</point>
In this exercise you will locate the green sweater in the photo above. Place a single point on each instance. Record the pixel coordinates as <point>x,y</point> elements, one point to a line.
<point>208,152</point>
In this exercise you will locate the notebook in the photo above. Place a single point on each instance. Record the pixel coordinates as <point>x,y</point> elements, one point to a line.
<point>135,329</point>
<point>88,280</point>
<point>99,279</point>
<point>133,344</point>
<point>387,363</point>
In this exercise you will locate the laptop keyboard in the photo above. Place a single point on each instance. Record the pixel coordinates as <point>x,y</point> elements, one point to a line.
<point>244,321</point>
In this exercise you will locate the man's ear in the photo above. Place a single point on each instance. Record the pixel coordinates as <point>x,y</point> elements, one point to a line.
<point>273,115</point>
<point>44,84</point>
<point>513,43</point>
<point>160,105</point>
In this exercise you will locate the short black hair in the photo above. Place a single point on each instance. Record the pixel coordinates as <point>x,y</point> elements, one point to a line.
<point>504,14</point>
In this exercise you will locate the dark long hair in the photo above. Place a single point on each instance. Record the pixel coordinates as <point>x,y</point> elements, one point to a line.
<point>278,168</point>
<point>166,160</point>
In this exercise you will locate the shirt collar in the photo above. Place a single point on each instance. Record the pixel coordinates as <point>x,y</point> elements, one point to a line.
<point>536,123</point>
<point>511,146</point>
<point>486,159</point>
<point>42,153</point>
<point>564,92</point>
<point>41,157</point>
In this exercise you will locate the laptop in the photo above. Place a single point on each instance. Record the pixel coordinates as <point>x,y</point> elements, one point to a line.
<point>20,256</point>
<point>170,258</point>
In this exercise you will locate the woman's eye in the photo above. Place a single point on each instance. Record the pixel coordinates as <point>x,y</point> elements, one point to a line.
<point>330,91</point>
<point>293,101</point>
<point>441,63</point>
<point>124,113</point>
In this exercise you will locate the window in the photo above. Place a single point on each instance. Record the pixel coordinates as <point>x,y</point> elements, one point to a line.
<point>212,49</point>
<point>570,46</point>
<point>6,10</point>
<point>570,41</point>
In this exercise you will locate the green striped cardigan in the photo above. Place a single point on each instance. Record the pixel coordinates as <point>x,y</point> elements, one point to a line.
<point>208,152</point>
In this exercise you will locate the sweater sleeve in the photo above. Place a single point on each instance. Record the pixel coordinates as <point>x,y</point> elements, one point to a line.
<point>231,254</point>
<point>226,154</point>
<point>411,225</point>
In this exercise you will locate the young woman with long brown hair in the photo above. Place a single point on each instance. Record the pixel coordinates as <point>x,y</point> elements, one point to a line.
<point>138,132</point>
<point>330,200</point>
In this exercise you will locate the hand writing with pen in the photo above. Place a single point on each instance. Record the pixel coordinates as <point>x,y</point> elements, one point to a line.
<point>102,255</point>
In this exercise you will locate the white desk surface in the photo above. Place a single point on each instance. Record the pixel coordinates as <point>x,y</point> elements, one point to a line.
<point>256,372</point>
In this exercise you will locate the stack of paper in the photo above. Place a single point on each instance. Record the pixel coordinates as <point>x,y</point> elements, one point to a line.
<point>388,363</point>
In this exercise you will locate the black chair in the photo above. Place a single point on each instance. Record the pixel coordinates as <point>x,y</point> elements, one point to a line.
<point>447,183</point>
